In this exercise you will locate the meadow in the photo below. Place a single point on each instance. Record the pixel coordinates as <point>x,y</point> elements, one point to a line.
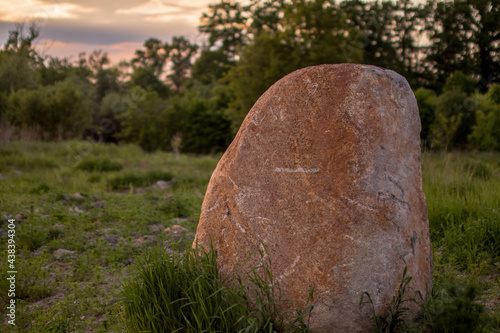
<point>90,218</point>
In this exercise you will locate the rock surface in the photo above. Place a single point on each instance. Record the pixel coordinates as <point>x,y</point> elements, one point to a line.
<point>325,172</point>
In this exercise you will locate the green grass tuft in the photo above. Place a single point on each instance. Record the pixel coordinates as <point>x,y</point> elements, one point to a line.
<point>173,292</point>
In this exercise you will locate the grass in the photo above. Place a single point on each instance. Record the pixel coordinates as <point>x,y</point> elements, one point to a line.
<point>131,179</point>
<point>97,202</point>
<point>45,187</point>
<point>174,292</point>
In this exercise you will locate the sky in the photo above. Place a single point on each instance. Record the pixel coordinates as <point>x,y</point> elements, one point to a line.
<point>118,27</point>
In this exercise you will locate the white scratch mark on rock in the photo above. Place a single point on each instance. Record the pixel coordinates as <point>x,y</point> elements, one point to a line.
<point>224,234</point>
<point>212,208</point>
<point>272,112</point>
<point>232,181</point>
<point>343,265</point>
<point>358,204</point>
<point>304,170</point>
<point>347,236</point>
<point>281,112</point>
<point>231,217</point>
<point>290,269</point>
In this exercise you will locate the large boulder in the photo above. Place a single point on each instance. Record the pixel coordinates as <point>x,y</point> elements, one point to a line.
<point>325,172</point>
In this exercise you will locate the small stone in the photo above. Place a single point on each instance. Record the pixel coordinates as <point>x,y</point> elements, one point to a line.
<point>114,239</point>
<point>161,184</point>
<point>60,253</point>
<point>98,205</point>
<point>58,225</point>
<point>156,228</point>
<point>175,230</point>
<point>144,240</point>
<point>40,250</point>
<point>77,210</point>
<point>178,220</point>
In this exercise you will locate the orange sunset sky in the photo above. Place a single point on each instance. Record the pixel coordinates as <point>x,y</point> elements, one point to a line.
<point>118,27</point>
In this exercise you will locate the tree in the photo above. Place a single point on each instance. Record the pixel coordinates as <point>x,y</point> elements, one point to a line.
<point>60,111</point>
<point>466,33</point>
<point>210,66</point>
<point>143,121</point>
<point>201,125</point>
<point>108,121</point>
<point>391,32</point>
<point>53,70</point>
<point>455,111</point>
<point>266,15</point>
<point>485,134</point>
<point>181,52</point>
<point>226,25</point>
<point>426,100</point>
<point>313,32</point>
<point>106,78</point>
<point>153,58</point>
<point>19,60</point>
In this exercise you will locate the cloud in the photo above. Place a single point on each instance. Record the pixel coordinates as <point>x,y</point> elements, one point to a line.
<point>162,8</point>
<point>23,10</point>
<point>85,25</point>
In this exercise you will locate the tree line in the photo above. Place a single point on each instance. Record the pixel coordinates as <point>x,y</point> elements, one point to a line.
<point>178,95</point>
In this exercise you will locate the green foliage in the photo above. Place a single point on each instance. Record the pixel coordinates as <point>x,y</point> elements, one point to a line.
<point>181,51</point>
<point>309,35</point>
<point>426,100</point>
<point>201,126</point>
<point>98,164</point>
<point>461,82</point>
<point>454,113</point>
<point>18,60</point>
<point>494,93</point>
<point>60,111</point>
<point>454,37</point>
<point>68,319</point>
<point>144,122</point>
<point>485,134</point>
<point>210,66</point>
<point>455,309</point>
<point>145,79</point>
